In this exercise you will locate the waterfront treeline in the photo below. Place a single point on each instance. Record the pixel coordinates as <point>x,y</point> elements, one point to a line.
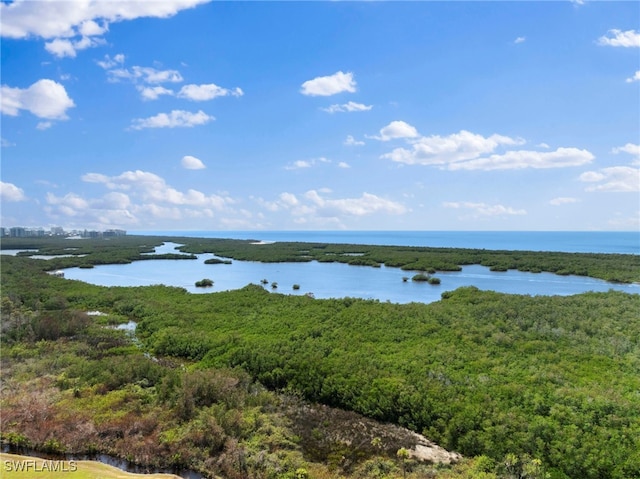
<point>622,268</point>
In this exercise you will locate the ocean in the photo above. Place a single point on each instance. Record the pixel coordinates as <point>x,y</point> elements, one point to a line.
<point>627,242</point>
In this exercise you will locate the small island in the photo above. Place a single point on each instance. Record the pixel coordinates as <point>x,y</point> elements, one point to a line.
<point>217,261</point>
<point>426,278</point>
<point>204,283</point>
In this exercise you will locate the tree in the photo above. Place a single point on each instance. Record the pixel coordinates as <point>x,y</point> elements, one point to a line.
<point>403,455</point>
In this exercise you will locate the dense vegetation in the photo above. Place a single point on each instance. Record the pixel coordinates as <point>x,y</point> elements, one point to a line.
<point>624,268</point>
<point>529,386</point>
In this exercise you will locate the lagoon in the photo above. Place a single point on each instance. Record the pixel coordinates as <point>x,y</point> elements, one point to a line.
<point>333,280</point>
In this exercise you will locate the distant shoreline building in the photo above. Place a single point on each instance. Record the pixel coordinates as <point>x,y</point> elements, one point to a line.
<point>21,232</point>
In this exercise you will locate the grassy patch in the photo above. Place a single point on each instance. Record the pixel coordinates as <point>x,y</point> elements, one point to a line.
<point>13,466</point>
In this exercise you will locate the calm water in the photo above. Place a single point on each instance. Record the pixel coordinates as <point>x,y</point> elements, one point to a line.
<point>566,241</point>
<point>332,280</point>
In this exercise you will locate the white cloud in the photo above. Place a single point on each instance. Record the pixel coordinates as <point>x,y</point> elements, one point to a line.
<point>90,28</point>
<point>314,205</point>
<point>145,199</point>
<point>146,75</point>
<point>351,141</point>
<point>396,129</point>
<point>618,38</point>
<point>439,150</point>
<point>630,148</point>
<point>635,77</point>
<point>343,164</point>
<point>192,163</point>
<point>10,192</point>
<point>153,92</point>
<point>563,200</point>
<point>484,209</point>
<point>329,85</point>
<point>69,203</point>
<point>207,92</point>
<point>177,118</point>
<point>109,62</point>
<point>465,150</point>
<point>6,143</point>
<point>301,164</point>
<point>113,209</point>
<point>151,188</point>
<point>76,25</point>
<point>347,107</point>
<point>520,40</point>
<point>45,99</point>
<point>63,47</point>
<point>364,205</point>
<point>289,199</point>
<point>616,179</point>
<point>512,160</point>
<point>44,125</point>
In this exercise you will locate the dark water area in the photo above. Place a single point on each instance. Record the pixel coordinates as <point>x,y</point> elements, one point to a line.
<point>119,463</point>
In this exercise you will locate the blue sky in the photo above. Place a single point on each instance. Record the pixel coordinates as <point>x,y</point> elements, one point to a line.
<point>196,115</point>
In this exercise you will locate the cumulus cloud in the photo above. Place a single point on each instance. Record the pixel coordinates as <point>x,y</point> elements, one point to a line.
<point>109,62</point>
<point>76,25</point>
<point>45,99</point>
<point>484,209</point>
<point>175,119</point>
<point>113,209</point>
<point>364,205</point>
<point>634,78</point>
<point>149,79</point>
<point>314,205</point>
<point>301,164</point>
<point>192,163</point>
<point>396,129</point>
<point>347,107</point>
<point>630,148</point>
<point>153,92</point>
<point>145,74</point>
<point>11,193</point>
<point>563,200</point>
<point>329,85</point>
<point>63,47</point>
<point>615,179</point>
<point>520,159</point>
<point>351,141</point>
<point>618,38</point>
<point>150,186</point>
<point>207,92</point>
<point>344,164</point>
<point>468,151</point>
<point>442,150</point>
<point>520,40</point>
<point>144,199</point>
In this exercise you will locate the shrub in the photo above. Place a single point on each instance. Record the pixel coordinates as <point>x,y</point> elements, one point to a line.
<point>420,277</point>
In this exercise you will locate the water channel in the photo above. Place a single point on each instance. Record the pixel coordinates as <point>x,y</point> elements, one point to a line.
<point>333,280</point>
